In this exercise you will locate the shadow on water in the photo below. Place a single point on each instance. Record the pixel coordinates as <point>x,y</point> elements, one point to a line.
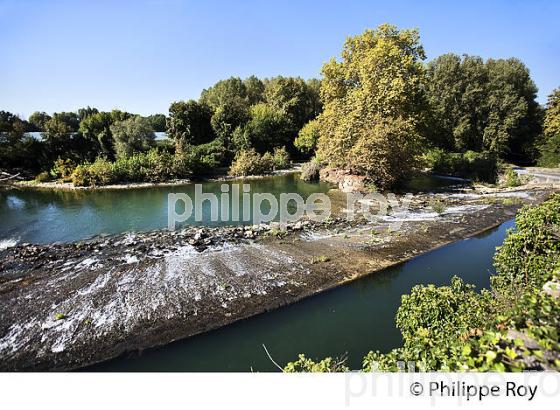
<point>354,318</point>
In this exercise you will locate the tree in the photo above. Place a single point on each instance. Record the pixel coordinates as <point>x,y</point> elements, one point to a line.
<point>268,128</point>
<point>225,92</point>
<point>83,113</point>
<point>307,138</point>
<point>254,89</point>
<point>157,122</point>
<point>552,116</point>
<point>372,95</point>
<point>294,97</point>
<point>482,106</point>
<point>550,147</point>
<point>95,129</point>
<point>38,120</point>
<point>513,113</point>
<point>189,123</point>
<point>18,150</point>
<point>133,135</point>
<point>227,118</point>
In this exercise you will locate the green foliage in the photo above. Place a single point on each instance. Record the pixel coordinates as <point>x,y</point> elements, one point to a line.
<point>43,177</point>
<point>131,136</point>
<point>550,146</point>
<point>292,96</point>
<point>512,327</point>
<point>327,365</point>
<point>479,166</point>
<point>267,129</point>
<point>157,122</point>
<point>63,169</point>
<point>189,123</point>
<point>477,105</point>
<point>307,138</point>
<point>280,158</point>
<point>250,162</point>
<point>550,152</point>
<point>438,206</point>
<point>512,179</point>
<point>370,121</point>
<point>310,171</point>
<point>38,120</point>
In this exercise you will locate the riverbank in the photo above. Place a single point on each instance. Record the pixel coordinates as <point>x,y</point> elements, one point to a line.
<point>219,176</point>
<point>90,301</point>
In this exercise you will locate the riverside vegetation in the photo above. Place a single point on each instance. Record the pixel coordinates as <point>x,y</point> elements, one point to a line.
<point>456,115</point>
<point>513,326</point>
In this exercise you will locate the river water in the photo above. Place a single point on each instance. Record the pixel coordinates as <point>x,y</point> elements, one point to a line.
<point>46,216</point>
<point>352,319</point>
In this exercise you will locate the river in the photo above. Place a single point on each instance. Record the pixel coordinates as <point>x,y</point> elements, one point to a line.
<point>352,319</point>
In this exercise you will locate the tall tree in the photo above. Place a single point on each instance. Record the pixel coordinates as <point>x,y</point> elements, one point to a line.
<point>373,104</point>
<point>132,135</point>
<point>550,147</point>
<point>188,123</point>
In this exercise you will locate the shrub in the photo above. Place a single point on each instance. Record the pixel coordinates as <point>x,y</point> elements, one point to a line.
<point>310,171</point>
<point>81,175</point>
<point>249,162</point>
<point>281,158</point>
<point>550,152</point>
<point>63,169</point>
<point>43,177</point>
<point>102,172</point>
<point>512,179</point>
<point>438,206</point>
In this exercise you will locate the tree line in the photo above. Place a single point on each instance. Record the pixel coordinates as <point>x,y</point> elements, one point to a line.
<point>379,111</point>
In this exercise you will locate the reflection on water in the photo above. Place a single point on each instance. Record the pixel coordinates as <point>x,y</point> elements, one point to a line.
<point>42,216</point>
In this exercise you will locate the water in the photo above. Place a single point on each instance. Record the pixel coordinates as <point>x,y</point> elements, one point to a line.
<point>45,216</point>
<point>354,318</point>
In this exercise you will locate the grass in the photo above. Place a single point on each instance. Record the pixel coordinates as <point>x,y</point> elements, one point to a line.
<point>319,259</point>
<point>438,206</point>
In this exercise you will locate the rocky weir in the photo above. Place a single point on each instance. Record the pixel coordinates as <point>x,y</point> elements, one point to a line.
<point>66,306</point>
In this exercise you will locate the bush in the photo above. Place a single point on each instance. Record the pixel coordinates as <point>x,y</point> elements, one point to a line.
<point>310,171</point>
<point>550,152</point>
<point>479,166</point>
<point>81,175</point>
<point>63,169</point>
<point>43,177</point>
<point>281,158</point>
<point>512,179</point>
<point>249,162</point>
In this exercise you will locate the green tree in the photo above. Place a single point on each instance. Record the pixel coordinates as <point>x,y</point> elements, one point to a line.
<point>17,149</point>
<point>294,97</point>
<point>307,138</point>
<point>254,89</point>
<point>373,94</point>
<point>225,92</point>
<point>38,120</point>
<point>189,123</point>
<point>157,122</point>
<point>512,124</point>
<point>133,135</point>
<point>95,129</point>
<point>83,113</point>
<point>550,147</point>
<point>268,128</point>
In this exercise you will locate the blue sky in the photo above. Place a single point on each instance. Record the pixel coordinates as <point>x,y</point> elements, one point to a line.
<point>141,55</point>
